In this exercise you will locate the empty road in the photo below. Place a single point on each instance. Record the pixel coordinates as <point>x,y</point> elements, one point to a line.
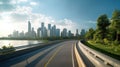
<point>58,55</point>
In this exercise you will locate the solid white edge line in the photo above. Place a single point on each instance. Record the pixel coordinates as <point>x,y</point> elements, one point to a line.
<point>73,63</point>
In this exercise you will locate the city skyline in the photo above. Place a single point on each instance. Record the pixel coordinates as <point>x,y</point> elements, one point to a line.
<point>44,32</point>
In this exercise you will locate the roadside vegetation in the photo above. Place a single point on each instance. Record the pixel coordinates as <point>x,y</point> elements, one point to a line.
<point>7,50</point>
<point>108,48</point>
<point>112,51</point>
<point>107,31</point>
<point>106,37</point>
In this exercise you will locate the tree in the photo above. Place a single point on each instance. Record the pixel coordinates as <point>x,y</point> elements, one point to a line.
<point>102,26</point>
<point>90,33</point>
<point>102,22</point>
<point>111,36</point>
<point>115,23</point>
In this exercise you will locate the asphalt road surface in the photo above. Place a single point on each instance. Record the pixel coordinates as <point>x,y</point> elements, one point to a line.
<point>58,55</point>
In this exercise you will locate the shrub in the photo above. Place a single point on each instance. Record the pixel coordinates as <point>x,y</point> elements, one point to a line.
<point>6,50</point>
<point>116,42</point>
<point>99,41</point>
<point>106,41</point>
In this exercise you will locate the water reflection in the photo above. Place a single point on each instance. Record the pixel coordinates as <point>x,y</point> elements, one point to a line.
<point>17,43</point>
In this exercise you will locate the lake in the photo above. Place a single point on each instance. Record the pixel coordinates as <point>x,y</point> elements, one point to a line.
<point>17,43</point>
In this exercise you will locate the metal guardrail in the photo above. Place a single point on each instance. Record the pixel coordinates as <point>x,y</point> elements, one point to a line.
<point>97,58</point>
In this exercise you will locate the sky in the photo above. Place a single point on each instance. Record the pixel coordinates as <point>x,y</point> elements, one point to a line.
<point>70,14</point>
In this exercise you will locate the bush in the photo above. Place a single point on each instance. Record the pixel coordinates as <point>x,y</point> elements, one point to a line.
<point>106,41</point>
<point>4,47</point>
<point>6,50</point>
<point>116,42</point>
<point>99,41</point>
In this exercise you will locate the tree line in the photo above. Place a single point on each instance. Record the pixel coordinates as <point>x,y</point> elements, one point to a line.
<point>107,30</point>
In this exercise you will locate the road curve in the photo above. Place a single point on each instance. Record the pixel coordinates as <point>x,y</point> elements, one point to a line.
<point>58,55</point>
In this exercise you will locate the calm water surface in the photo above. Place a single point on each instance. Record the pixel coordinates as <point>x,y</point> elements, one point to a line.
<point>17,43</point>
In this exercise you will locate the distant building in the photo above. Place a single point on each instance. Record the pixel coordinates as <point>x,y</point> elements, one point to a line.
<point>21,35</point>
<point>42,25</point>
<point>57,32</point>
<point>69,34</point>
<point>77,34</point>
<point>48,33</point>
<point>10,35</point>
<point>33,33</point>
<point>53,31</point>
<point>38,32</point>
<point>64,33</point>
<point>49,26</point>
<point>43,32</point>
<point>15,34</point>
<point>29,26</point>
<point>29,33</point>
<point>82,32</point>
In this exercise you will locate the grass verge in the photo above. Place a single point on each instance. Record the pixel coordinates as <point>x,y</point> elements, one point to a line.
<point>110,50</point>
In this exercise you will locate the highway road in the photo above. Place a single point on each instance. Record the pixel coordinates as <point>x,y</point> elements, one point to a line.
<point>58,55</point>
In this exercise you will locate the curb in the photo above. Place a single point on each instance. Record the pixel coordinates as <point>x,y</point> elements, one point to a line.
<point>78,57</point>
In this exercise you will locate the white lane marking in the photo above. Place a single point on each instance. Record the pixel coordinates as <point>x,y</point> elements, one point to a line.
<point>54,54</point>
<point>35,56</point>
<point>73,63</point>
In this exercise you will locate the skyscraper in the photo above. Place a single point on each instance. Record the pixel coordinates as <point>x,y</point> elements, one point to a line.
<point>29,30</point>
<point>43,31</point>
<point>38,32</point>
<point>77,34</point>
<point>33,33</point>
<point>58,32</point>
<point>69,33</point>
<point>82,32</point>
<point>48,33</point>
<point>29,27</point>
<point>42,25</point>
<point>64,33</point>
<point>49,26</point>
<point>53,31</point>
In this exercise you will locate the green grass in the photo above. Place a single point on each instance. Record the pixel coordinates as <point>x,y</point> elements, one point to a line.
<point>110,50</point>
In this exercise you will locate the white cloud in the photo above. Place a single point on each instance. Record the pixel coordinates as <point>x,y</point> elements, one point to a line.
<point>33,3</point>
<point>23,10</point>
<point>19,1</point>
<point>13,1</point>
<point>16,18</point>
